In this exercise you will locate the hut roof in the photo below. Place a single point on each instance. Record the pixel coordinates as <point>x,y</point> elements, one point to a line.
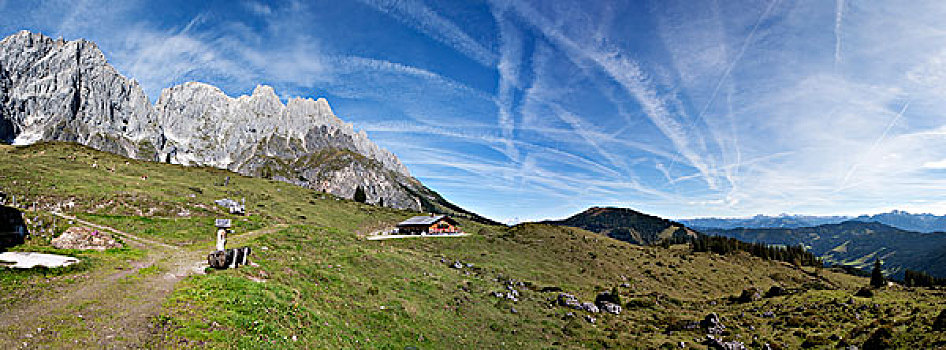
<point>425,220</point>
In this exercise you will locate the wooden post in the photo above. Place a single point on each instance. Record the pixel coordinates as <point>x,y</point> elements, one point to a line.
<point>221,239</point>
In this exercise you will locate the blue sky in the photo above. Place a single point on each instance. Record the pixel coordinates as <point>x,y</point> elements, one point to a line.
<point>525,110</point>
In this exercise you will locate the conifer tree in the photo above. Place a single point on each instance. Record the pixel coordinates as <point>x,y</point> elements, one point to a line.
<point>360,195</point>
<point>877,279</point>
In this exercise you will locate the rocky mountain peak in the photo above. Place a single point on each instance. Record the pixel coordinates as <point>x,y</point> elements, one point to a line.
<point>66,90</point>
<point>57,90</point>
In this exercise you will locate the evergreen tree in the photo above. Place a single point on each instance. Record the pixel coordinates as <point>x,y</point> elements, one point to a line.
<point>360,195</point>
<point>877,279</point>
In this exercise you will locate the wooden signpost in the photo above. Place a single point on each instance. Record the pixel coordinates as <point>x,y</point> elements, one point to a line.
<point>224,258</point>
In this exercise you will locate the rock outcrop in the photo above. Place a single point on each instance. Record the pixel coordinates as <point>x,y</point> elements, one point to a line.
<point>84,238</point>
<point>56,90</point>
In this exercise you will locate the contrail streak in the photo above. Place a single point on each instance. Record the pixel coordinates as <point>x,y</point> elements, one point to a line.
<point>838,16</point>
<point>877,142</point>
<point>729,69</point>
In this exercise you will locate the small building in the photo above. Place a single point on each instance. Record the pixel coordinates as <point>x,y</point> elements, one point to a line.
<point>234,207</point>
<point>432,224</point>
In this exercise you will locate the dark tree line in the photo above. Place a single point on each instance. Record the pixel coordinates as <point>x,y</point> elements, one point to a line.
<point>725,245</point>
<point>913,278</point>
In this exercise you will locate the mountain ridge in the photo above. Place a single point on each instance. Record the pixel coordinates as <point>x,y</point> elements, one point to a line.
<point>919,222</point>
<point>858,244</point>
<point>57,90</point>
<point>626,224</point>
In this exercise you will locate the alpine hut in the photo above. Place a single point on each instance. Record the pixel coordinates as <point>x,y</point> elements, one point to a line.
<point>432,224</point>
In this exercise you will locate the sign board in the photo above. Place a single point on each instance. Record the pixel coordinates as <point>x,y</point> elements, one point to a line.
<point>222,223</point>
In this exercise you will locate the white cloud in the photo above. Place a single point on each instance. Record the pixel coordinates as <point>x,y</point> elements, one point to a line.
<point>258,8</point>
<point>936,164</point>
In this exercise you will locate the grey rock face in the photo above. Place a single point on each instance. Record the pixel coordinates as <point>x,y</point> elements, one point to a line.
<point>301,142</point>
<point>67,91</point>
<point>55,90</point>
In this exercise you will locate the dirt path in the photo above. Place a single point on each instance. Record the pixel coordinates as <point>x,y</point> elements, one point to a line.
<point>112,309</point>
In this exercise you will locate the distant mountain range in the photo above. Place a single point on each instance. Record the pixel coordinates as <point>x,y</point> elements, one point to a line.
<point>57,90</point>
<point>857,243</point>
<point>626,225</point>
<point>900,219</point>
<point>760,221</point>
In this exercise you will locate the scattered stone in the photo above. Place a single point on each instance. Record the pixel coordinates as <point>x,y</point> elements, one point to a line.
<point>768,314</point>
<point>590,319</point>
<point>682,344</point>
<point>712,324</point>
<point>513,310</point>
<point>85,238</point>
<point>457,265</point>
<point>716,344</point>
<point>589,307</point>
<point>611,308</point>
<point>568,300</point>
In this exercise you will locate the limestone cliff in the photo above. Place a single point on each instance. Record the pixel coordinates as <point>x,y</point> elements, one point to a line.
<point>67,91</point>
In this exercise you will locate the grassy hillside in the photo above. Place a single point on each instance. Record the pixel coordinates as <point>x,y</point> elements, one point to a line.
<point>320,284</point>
